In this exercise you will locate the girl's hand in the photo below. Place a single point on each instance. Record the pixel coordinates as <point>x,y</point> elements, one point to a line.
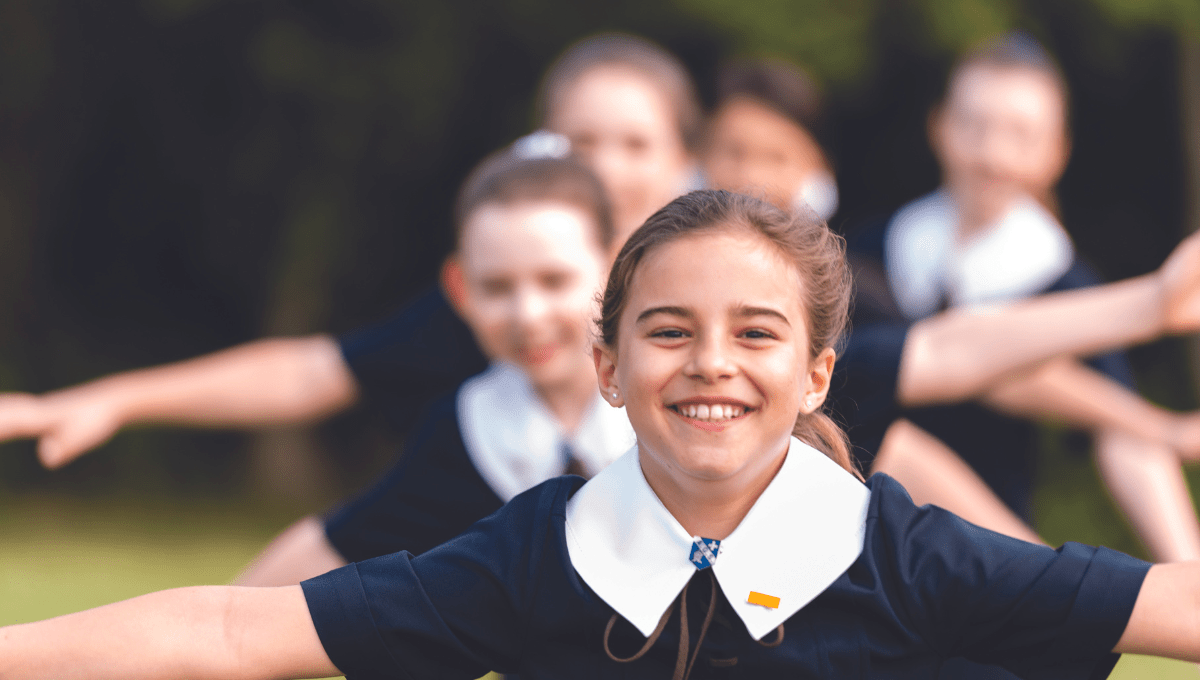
<point>1179,277</point>
<point>66,424</point>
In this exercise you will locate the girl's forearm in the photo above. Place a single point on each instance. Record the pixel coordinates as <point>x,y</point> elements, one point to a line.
<point>1069,391</point>
<point>266,382</point>
<point>1166,617</point>
<point>201,633</point>
<point>957,355</point>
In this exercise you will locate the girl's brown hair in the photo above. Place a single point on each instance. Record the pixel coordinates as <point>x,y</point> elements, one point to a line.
<point>818,255</point>
<point>506,178</point>
<point>657,65</point>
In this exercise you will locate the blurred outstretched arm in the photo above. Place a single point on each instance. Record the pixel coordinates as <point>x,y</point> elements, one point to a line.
<point>267,382</point>
<point>961,354</point>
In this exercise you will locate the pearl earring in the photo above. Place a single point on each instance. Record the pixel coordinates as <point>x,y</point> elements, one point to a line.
<point>614,395</point>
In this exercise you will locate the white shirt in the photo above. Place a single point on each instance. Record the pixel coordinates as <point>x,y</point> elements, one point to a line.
<point>1019,255</point>
<point>803,532</point>
<point>516,443</point>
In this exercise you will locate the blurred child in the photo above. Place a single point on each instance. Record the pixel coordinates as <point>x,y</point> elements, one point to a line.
<point>982,238</point>
<point>630,109</point>
<point>760,138</point>
<point>533,238</point>
<point>717,328</point>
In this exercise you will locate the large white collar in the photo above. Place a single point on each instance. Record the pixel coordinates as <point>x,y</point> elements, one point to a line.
<point>804,531</point>
<point>516,444</point>
<point>1022,253</point>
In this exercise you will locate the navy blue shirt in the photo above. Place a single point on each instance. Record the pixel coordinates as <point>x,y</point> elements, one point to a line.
<point>928,586</point>
<point>420,352</point>
<point>431,495</point>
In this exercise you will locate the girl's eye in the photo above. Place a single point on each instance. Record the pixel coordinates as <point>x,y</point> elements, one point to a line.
<point>556,281</point>
<point>668,334</point>
<point>758,334</point>
<point>495,287</point>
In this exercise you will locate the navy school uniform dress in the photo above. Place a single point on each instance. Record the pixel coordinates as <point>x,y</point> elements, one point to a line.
<point>473,451</point>
<point>909,268</point>
<point>569,575</point>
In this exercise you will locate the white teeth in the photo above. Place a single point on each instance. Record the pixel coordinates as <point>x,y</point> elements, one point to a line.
<point>710,412</point>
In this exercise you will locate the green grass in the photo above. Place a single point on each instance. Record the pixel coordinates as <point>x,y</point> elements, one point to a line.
<point>63,555</point>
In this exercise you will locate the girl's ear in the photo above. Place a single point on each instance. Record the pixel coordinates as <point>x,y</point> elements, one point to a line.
<point>606,372</point>
<point>454,283</point>
<point>816,385</point>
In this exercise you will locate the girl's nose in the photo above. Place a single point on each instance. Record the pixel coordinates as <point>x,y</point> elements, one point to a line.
<point>530,306</point>
<point>710,361</point>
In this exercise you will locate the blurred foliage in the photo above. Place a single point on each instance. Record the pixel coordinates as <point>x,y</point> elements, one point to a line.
<point>180,175</point>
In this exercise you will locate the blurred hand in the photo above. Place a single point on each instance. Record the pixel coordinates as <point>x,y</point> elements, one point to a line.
<point>1180,280</point>
<point>66,424</point>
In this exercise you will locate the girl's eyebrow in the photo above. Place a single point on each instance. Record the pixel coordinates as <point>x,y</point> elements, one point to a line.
<point>744,311</point>
<point>741,311</point>
<point>673,311</point>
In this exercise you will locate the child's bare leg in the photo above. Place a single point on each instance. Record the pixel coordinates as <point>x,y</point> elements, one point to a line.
<point>301,552</point>
<point>933,473</point>
<point>1147,483</point>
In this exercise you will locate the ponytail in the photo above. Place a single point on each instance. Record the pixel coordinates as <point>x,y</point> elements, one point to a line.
<point>819,431</point>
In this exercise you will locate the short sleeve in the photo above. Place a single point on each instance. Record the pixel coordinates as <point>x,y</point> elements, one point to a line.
<point>432,494</point>
<point>420,352</point>
<point>970,592</point>
<point>457,611</point>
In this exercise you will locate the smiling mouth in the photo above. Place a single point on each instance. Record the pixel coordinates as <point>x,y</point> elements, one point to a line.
<point>711,413</point>
<point>539,354</point>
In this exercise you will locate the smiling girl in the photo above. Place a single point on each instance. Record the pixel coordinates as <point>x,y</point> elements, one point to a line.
<point>533,237</point>
<point>747,525</point>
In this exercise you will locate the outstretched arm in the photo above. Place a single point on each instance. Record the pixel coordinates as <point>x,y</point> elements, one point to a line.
<point>1166,617</point>
<point>960,354</point>
<point>203,632</point>
<point>266,382</point>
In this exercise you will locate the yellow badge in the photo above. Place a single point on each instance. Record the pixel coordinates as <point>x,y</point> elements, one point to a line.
<point>764,600</point>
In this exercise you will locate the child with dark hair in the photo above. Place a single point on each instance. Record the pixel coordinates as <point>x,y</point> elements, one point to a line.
<point>762,136</point>
<point>737,514</point>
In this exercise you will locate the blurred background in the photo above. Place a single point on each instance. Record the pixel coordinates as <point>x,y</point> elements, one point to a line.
<point>177,176</point>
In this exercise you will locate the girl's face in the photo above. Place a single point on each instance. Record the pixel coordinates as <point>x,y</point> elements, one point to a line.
<point>529,274</point>
<point>753,148</point>
<point>712,360</point>
<point>999,135</point>
<point>626,131</point>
